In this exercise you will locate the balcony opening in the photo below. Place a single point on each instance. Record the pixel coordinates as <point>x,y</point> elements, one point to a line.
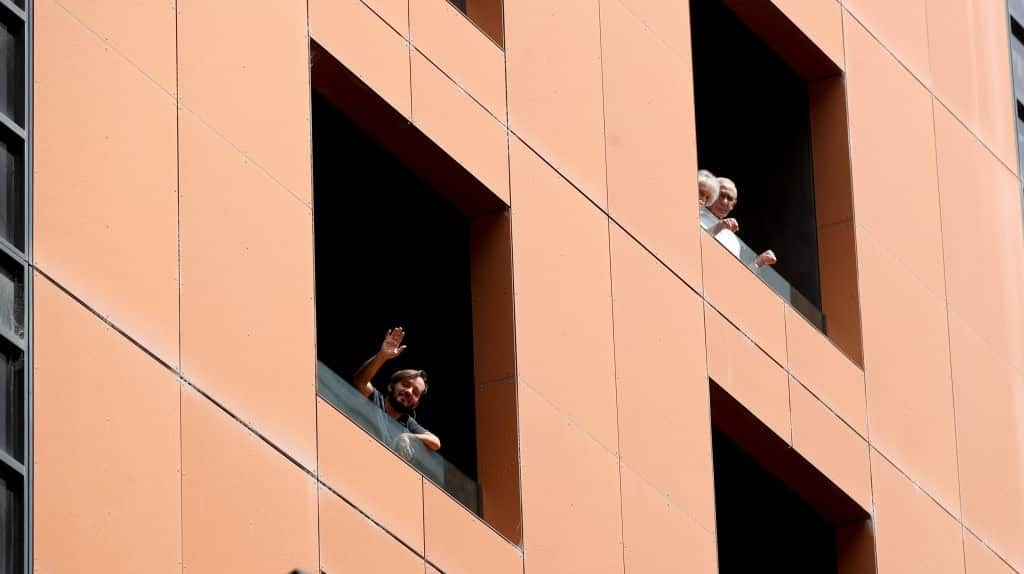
<point>406,237</point>
<point>771,117</point>
<point>487,15</point>
<point>774,511</point>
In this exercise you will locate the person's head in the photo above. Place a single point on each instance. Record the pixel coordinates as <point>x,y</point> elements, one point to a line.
<point>727,198</point>
<point>707,188</point>
<point>406,389</point>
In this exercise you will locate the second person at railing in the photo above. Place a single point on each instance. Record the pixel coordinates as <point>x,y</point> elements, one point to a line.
<point>404,391</point>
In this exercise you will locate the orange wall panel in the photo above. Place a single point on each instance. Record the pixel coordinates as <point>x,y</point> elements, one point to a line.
<point>989,397</point>
<point>662,379</point>
<point>458,541</point>
<point>650,140</point>
<point>830,445</point>
<point>553,63</point>
<point>460,126</point>
<point>367,46</point>
<point>563,296</point>
<point>906,367</point>
<point>370,476</point>
<point>106,452</point>
<point>982,248</point>
<point>902,26</point>
<point>143,32</point>
<point>247,290</point>
<point>350,542</point>
<point>253,85</point>
<point>105,187</point>
<point>741,296</point>
<point>981,560</point>
<point>668,19</point>
<point>912,533</point>
<point>245,508</point>
<point>747,373</point>
<point>824,370</point>
<point>658,536</point>
<point>893,149</point>
<point>455,45</point>
<point>571,511</point>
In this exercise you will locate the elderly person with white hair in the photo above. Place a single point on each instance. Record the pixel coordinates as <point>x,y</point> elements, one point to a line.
<point>725,229</point>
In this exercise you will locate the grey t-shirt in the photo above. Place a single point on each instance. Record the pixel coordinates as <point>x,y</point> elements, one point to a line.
<point>407,421</point>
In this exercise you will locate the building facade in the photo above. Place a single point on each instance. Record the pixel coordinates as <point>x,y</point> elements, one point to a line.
<point>224,205</point>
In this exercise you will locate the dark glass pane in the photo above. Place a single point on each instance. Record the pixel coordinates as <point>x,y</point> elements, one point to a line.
<point>12,67</point>
<point>1017,59</point>
<point>12,520</point>
<point>12,403</point>
<point>12,297</point>
<point>12,189</point>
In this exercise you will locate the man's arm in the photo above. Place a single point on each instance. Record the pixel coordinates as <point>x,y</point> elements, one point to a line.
<point>429,440</point>
<point>389,349</point>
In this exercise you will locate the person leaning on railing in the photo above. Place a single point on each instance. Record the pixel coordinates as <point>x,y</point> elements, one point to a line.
<point>404,392</point>
<point>728,196</point>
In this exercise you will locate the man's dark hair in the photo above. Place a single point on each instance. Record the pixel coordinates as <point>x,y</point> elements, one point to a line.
<point>408,374</point>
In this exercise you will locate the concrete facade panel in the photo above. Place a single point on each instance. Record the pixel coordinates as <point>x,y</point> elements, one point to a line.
<point>247,290</point>
<point>367,46</point>
<point>252,88</point>
<point>107,446</point>
<point>105,228</point>
<point>563,296</point>
<point>555,104</point>
<point>650,134</point>
<point>386,488</point>
<point>662,379</point>
<point>245,508</point>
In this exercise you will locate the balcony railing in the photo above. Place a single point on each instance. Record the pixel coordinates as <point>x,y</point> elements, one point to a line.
<point>771,277</point>
<point>350,402</point>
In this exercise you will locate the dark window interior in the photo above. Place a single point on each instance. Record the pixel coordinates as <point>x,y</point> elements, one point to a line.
<point>774,510</point>
<point>753,126</point>
<point>12,66</point>
<point>390,251</point>
<point>11,517</point>
<point>762,525</point>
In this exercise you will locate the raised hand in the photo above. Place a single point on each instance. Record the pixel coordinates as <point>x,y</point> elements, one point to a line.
<point>392,345</point>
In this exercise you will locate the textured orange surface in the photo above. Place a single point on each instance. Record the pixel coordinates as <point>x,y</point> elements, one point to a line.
<point>174,309</point>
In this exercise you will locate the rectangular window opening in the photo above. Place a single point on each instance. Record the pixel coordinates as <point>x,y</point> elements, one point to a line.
<point>771,117</point>
<point>406,237</point>
<point>774,511</point>
<point>12,188</point>
<point>12,544</point>
<point>12,66</point>
<point>12,401</point>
